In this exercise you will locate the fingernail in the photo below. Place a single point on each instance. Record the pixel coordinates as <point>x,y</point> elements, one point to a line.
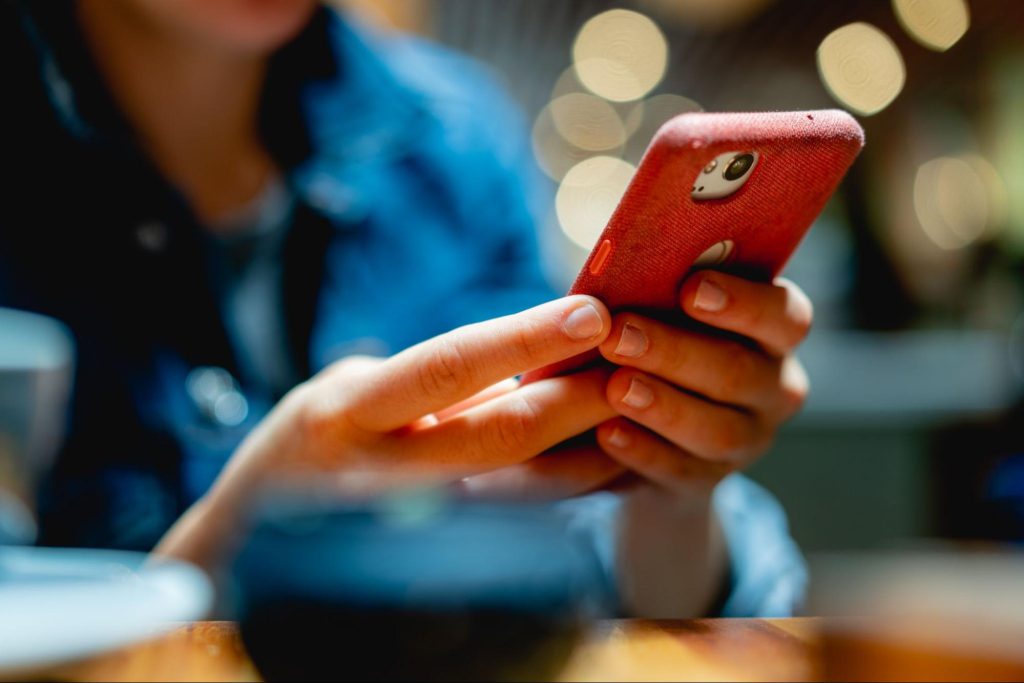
<point>583,323</point>
<point>710,297</point>
<point>632,342</point>
<point>639,395</point>
<point>619,438</point>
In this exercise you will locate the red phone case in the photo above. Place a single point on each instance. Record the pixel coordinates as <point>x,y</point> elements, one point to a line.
<point>658,231</point>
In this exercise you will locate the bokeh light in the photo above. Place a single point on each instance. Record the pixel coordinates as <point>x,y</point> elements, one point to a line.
<point>620,55</point>
<point>861,67</point>
<point>555,155</point>
<point>936,24</point>
<point>588,195</point>
<point>647,116</point>
<point>568,83</point>
<point>953,200</point>
<point>587,122</point>
<point>995,187</point>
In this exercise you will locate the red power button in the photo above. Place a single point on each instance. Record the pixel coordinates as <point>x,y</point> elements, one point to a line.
<point>600,257</point>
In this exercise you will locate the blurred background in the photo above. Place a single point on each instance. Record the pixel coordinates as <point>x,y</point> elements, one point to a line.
<point>917,360</point>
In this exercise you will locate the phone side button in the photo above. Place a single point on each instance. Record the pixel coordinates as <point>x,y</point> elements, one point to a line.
<point>600,257</point>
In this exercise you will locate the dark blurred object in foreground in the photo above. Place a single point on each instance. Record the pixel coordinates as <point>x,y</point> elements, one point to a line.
<point>416,589</point>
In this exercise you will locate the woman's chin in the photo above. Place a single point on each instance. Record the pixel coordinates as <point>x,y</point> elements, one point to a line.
<point>244,26</point>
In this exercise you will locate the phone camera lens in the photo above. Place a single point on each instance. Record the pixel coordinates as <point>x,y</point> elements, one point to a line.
<point>739,166</point>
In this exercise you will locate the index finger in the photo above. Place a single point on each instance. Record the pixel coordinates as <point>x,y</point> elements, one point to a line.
<point>439,372</point>
<point>777,316</point>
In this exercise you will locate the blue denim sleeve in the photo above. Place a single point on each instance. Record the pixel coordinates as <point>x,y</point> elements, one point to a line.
<point>506,216</point>
<point>768,574</point>
<point>498,195</point>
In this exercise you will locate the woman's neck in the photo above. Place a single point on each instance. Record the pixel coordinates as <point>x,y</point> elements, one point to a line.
<point>194,107</point>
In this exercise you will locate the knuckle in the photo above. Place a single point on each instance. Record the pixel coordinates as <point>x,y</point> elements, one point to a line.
<point>513,427</point>
<point>740,371</point>
<point>730,442</point>
<point>795,386</point>
<point>445,370</point>
<point>679,356</point>
<point>760,312</point>
<point>794,399</point>
<point>800,315</point>
<point>799,328</point>
<point>677,465</point>
<point>316,415</point>
<point>526,343</point>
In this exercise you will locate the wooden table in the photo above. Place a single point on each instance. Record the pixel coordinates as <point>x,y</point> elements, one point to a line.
<point>714,649</point>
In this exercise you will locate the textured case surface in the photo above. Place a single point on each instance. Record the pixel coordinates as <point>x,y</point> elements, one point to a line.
<point>658,231</point>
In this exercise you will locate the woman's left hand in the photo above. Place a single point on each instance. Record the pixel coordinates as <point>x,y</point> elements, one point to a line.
<point>693,406</point>
<point>696,406</point>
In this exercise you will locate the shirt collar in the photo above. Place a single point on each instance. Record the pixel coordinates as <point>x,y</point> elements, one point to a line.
<point>73,85</point>
<point>358,120</point>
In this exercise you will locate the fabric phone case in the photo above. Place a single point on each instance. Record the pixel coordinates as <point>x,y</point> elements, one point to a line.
<point>658,230</point>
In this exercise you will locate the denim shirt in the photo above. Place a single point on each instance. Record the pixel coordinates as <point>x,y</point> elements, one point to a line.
<point>416,202</point>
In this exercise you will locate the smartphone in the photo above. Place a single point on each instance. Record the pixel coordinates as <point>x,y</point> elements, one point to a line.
<point>731,191</point>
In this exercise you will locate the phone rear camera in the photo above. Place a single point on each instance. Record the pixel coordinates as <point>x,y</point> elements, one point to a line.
<point>738,167</point>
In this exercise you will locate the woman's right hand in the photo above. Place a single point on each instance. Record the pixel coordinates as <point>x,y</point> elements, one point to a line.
<point>433,414</point>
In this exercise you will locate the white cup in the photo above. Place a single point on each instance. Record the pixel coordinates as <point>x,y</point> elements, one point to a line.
<point>36,366</point>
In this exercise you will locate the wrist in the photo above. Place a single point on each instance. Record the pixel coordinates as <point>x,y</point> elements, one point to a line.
<point>671,555</point>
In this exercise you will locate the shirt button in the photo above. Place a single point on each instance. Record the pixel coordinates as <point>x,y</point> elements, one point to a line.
<point>151,236</point>
<point>217,396</point>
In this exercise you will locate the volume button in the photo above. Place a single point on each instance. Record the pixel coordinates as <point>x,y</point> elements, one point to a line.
<point>600,257</point>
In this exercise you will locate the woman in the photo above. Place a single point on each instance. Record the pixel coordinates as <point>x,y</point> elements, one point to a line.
<point>234,204</point>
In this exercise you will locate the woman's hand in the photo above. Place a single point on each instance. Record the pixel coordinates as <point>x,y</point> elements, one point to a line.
<point>693,406</point>
<point>696,405</point>
<point>426,416</point>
